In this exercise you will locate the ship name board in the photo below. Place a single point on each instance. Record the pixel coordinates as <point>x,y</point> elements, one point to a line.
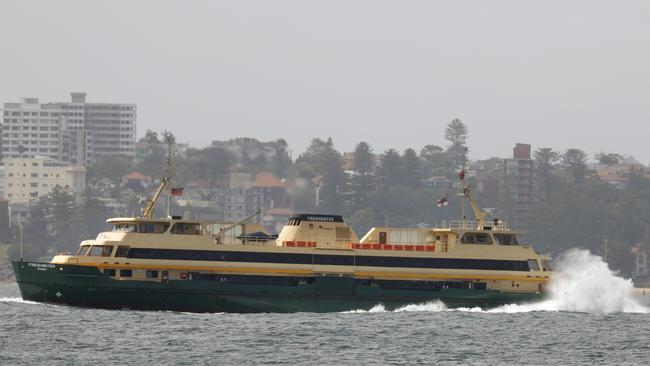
<point>41,266</point>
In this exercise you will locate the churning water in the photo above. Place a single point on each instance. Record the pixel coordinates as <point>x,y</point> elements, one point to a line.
<point>591,316</point>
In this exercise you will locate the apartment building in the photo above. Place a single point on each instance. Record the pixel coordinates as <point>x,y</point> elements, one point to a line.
<point>72,132</point>
<point>28,178</point>
<point>517,182</point>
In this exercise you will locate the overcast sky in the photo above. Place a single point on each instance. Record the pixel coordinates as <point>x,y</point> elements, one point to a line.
<point>551,73</point>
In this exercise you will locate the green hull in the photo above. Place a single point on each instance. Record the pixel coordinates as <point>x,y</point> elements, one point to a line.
<point>89,287</point>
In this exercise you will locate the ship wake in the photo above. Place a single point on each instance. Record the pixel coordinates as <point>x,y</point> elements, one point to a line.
<point>582,283</point>
<point>18,300</point>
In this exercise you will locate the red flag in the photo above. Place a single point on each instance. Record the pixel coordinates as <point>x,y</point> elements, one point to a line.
<point>177,191</point>
<point>461,175</point>
<point>442,202</point>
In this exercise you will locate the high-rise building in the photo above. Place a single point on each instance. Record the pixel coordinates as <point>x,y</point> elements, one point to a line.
<point>75,132</point>
<point>517,183</point>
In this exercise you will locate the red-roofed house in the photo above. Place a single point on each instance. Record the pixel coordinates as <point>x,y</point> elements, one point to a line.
<point>272,188</point>
<point>136,181</point>
<point>267,180</point>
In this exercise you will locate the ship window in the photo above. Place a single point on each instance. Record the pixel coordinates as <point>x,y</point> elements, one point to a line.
<point>476,238</point>
<point>506,239</point>
<point>532,264</point>
<point>101,251</point>
<point>153,227</point>
<point>122,251</point>
<point>83,250</point>
<point>126,273</point>
<point>124,228</point>
<point>109,272</point>
<point>186,228</point>
<point>152,274</point>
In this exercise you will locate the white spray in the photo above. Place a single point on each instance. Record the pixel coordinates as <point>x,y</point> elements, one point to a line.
<point>582,282</point>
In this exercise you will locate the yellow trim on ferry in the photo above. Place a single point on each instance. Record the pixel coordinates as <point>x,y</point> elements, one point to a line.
<point>380,275</point>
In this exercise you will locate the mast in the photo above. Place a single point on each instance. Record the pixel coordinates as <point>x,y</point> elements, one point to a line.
<point>466,193</point>
<point>147,212</point>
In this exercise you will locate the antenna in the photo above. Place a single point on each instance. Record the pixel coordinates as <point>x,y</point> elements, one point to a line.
<point>463,186</point>
<point>466,193</point>
<point>169,140</point>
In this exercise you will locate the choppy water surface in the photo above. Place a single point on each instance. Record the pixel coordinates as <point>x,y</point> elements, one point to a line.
<point>590,318</point>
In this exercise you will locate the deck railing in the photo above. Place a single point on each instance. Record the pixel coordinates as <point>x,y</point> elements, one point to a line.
<point>470,225</point>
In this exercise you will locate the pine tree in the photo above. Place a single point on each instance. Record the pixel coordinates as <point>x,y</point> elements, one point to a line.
<point>411,169</point>
<point>456,133</point>
<point>574,161</point>
<point>389,171</point>
<point>435,161</point>
<point>327,163</point>
<point>363,164</point>
<point>546,161</point>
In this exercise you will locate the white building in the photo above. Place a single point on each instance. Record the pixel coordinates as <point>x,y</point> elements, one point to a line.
<point>28,178</point>
<point>76,132</point>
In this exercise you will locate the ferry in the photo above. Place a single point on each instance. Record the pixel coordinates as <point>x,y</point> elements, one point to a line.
<point>316,264</point>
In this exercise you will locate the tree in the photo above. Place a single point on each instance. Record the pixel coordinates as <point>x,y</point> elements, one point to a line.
<point>93,215</point>
<point>456,133</point>
<point>389,171</point>
<point>546,161</point>
<point>36,236</point>
<point>435,161</point>
<point>411,169</point>
<point>363,164</point>
<point>63,217</point>
<point>150,137</point>
<point>574,161</point>
<point>208,165</point>
<point>609,159</point>
<point>326,162</point>
<point>113,168</point>
<point>281,162</point>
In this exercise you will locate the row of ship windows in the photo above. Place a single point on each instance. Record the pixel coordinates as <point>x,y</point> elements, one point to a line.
<point>159,228</point>
<point>340,260</point>
<point>112,272</point>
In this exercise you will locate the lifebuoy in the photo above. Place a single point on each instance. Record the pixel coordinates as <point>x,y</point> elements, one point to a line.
<point>183,275</point>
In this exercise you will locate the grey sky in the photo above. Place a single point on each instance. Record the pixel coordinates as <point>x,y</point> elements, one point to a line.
<point>550,73</point>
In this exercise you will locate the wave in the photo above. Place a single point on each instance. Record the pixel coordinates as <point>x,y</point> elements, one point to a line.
<point>582,283</point>
<point>18,300</point>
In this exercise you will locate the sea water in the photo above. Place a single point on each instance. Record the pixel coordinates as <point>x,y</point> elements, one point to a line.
<point>590,317</point>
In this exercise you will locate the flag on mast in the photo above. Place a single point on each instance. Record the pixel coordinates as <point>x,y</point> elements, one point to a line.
<point>442,202</point>
<point>177,191</point>
<point>461,175</point>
